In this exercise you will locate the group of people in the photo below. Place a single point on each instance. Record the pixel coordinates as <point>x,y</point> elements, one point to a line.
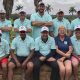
<point>54,42</point>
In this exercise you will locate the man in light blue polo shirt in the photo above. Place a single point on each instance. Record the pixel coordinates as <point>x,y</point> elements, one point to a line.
<point>39,19</point>
<point>4,53</point>
<point>22,21</point>
<point>76,21</point>
<point>76,51</point>
<point>23,46</point>
<point>5,26</point>
<point>60,21</point>
<point>44,51</point>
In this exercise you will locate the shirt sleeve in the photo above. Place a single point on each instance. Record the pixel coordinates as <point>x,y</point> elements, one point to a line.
<point>15,24</point>
<point>53,46</point>
<point>9,24</point>
<point>69,41</point>
<point>49,18</point>
<point>72,26</point>
<point>32,44</point>
<point>13,44</point>
<point>36,45</point>
<point>7,48</point>
<point>32,18</point>
<point>68,25</point>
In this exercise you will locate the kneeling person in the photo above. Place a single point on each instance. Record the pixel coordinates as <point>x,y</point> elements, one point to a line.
<point>44,52</point>
<point>23,46</point>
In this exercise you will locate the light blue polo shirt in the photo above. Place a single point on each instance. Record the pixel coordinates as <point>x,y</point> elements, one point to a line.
<point>44,48</point>
<point>76,45</point>
<point>18,23</point>
<point>57,24</point>
<point>4,47</point>
<point>21,47</point>
<point>75,23</point>
<point>36,17</point>
<point>5,34</point>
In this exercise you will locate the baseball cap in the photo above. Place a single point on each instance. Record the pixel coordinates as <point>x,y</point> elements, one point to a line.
<point>22,28</point>
<point>41,3</point>
<point>44,28</point>
<point>2,11</point>
<point>77,27</point>
<point>60,11</point>
<point>0,32</point>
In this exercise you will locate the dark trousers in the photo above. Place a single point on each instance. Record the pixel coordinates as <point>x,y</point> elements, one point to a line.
<point>53,65</point>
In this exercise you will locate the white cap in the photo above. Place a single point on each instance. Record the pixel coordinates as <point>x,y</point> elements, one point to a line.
<point>77,27</point>
<point>44,28</point>
<point>41,3</point>
<point>0,32</point>
<point>22,28</point>
<point>2,11</point>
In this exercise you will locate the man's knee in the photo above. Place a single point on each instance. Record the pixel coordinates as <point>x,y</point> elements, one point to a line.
<point>11,65</point>
<point>30,65</point>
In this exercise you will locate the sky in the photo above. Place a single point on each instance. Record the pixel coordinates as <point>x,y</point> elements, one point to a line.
<point>28,5</point>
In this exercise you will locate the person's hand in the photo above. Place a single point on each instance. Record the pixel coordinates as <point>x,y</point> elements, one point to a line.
<point>67,55</point>
<point>18,64</point>
<point>61,59</point>
<point>51,59</point>
<point>42,58</point>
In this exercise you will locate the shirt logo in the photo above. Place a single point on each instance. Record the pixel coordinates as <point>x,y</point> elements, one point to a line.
<point>65,42</point>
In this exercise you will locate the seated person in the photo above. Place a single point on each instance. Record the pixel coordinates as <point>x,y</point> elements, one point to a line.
<point>23,46</point>
<point>4,53</point>
<point>76,51</point>
<point>64,50</point>
<point>44,53</point>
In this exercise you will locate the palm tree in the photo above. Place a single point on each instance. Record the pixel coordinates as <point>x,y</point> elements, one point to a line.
<point>72,10</point>
<point>48,8</point>
<point>19,7</point>
<point>36,4</point>
<point>8,6</point>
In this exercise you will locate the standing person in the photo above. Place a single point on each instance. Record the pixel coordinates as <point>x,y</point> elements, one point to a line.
<point>23,46</point>
<point>63,55</point>
<point>76,51</point>
<point>4,53</point>
<point>22,21</point>
<point>60,21</point>
<point>76,21</point>
<point>39,19</point>
<point>44,54</point>
<point>5,26</point>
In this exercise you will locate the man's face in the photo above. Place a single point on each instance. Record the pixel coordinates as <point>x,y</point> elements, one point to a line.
<point>41,8</point>
<point>60,16</point>
<point>77,33</point>
<point>22,16</point>
<point>2,15</point>
<point>22,34</point>
<point>44,34</point>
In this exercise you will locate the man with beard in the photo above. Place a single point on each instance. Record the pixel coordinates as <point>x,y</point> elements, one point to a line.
<point>23,46</point>
<point>39,19</point>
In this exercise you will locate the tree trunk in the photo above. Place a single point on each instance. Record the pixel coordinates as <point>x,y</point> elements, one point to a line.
<point>8,6</point>
<point>36,4</point>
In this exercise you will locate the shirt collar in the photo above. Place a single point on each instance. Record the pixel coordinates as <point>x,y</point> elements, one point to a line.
<point>21,39</point>
<point>59,21</point>
<point>46,41</point>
